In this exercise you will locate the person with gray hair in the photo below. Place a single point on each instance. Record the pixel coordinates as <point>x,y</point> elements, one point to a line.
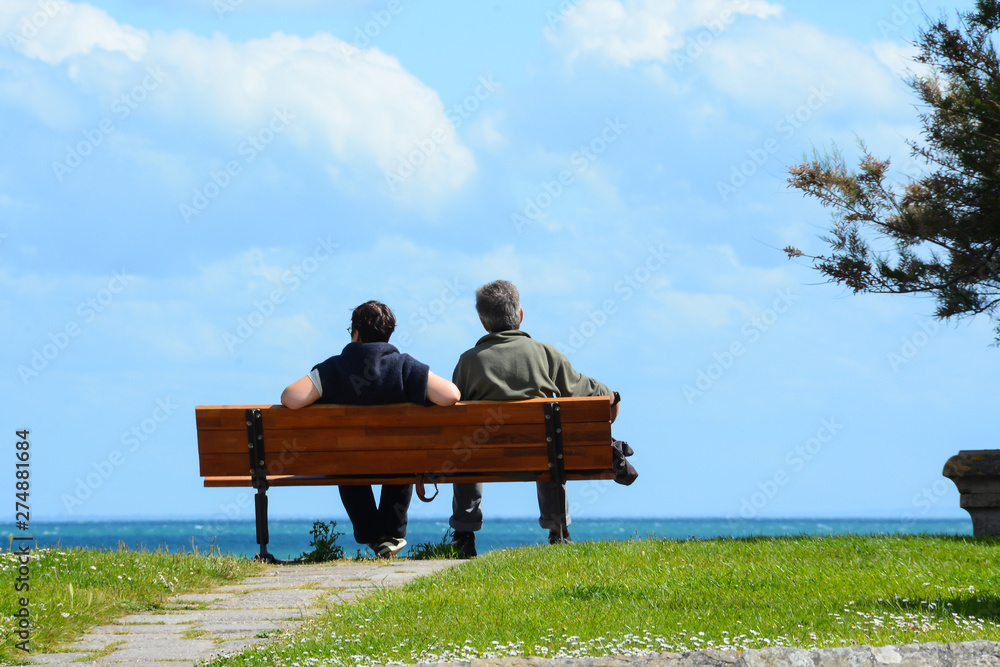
<point>508,365</point>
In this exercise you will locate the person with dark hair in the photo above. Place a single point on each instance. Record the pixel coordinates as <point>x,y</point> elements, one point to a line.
<point>507,365</point>
<point>370,371</point>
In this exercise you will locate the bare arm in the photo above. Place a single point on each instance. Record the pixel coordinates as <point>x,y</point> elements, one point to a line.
<point>299,394</point>
<point>441,391</point>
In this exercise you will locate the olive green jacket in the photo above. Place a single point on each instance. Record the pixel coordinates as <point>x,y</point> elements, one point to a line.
<point>511,365</point>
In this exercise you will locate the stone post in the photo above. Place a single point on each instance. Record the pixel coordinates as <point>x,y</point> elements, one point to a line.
<point>976,473</point>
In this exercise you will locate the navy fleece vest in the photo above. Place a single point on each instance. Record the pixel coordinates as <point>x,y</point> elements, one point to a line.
<point>372,374</point>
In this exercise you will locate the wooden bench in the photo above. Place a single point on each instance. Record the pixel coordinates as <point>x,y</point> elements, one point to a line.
<point>477,441</point>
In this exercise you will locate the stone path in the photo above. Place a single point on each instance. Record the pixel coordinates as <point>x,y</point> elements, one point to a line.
<point>230,618</point>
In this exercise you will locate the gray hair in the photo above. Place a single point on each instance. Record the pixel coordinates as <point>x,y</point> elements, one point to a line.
<point>499,306</point>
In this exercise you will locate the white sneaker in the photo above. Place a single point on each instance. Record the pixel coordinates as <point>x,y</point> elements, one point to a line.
<point>389,547</point>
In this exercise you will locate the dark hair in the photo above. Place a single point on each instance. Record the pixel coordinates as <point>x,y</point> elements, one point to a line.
<point>373,321</point>
<point>499,306</point>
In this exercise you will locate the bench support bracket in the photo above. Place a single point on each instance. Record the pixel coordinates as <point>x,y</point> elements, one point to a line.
<point>258,477</point>
<point>557,468</point>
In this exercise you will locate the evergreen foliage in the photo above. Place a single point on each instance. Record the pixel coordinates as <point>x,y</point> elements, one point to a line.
<point>939,235</point>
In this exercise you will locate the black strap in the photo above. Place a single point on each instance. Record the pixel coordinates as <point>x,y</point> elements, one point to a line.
<point>421,493</point>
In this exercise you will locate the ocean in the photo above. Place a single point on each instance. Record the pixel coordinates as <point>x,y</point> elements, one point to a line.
<point>289,538</point>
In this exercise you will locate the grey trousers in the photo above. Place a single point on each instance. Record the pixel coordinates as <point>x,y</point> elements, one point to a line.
<point>467,506</point>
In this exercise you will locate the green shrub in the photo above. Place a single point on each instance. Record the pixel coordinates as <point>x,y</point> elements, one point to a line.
<point>324,544</point>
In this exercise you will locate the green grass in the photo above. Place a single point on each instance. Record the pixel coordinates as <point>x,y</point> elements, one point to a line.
<point>638,597</point>
<point>74,589</point>
<point>435,550</point>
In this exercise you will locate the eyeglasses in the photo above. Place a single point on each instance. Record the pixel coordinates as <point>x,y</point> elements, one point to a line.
<point>350,330</point>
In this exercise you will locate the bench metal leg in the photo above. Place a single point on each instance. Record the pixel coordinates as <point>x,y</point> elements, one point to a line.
<point>557,468</point>
<point>258,475</point>
<point>260,515</point>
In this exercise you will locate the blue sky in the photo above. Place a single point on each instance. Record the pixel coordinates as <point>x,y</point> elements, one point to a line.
<point>194,194</point>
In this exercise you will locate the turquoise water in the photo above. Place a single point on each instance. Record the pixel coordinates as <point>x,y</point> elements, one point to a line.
<point>290,538</point>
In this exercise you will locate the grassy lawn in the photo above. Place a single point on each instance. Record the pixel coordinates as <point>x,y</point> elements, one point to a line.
<point>74,589</point>
<point>637,597</point>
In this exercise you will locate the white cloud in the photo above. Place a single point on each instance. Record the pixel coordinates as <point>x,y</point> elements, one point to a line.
<point>699,312</point>
<point>632,31</point>
<point>769,64</point>
<point>261,299</point>
<point>710,290</point>
<point>780,65</point>
<point>354,107</point>
<point>486,132</point>
<point>53,30</point>
<point>900,58</point>
<point>24,84</point>
<point>28,285</point>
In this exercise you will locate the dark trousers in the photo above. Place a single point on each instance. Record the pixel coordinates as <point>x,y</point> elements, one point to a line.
<point>372,523</point>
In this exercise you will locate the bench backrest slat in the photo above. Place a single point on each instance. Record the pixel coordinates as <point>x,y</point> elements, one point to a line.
<point>466,413</point>
<point>452,438</point>
<point>514,459</point>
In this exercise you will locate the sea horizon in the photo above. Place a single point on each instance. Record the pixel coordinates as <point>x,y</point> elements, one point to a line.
<point>290,537</point>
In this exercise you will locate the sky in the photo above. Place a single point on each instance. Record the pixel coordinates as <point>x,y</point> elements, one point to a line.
<point>195,194</point>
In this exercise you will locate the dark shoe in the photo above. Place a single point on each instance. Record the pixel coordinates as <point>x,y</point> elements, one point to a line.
<point>388,547</point>
<point>464,544</point>
<point>556,538</point>
<point>624,472</point>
